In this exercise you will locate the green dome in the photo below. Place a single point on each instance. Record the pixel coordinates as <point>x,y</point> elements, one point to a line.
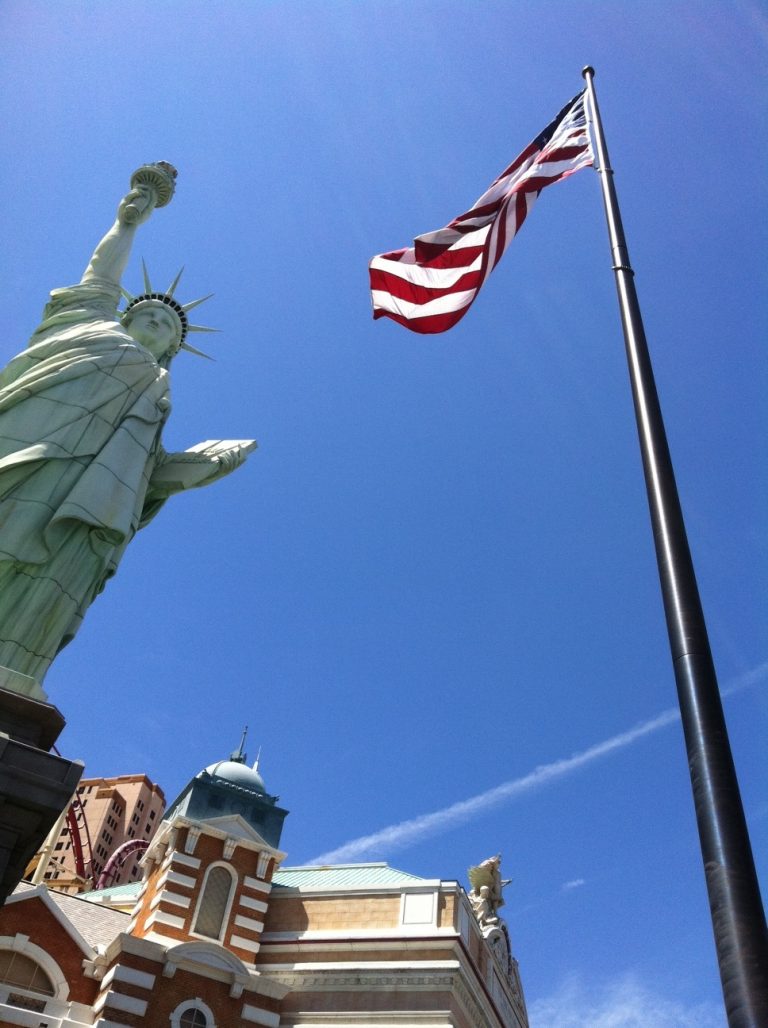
<point>238,773</point>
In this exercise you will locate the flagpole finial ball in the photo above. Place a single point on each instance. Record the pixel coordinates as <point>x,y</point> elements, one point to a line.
<point>588,70</point>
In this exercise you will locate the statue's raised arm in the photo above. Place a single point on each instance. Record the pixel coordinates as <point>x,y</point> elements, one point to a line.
<point>82,466</point>
<point>152,185</point>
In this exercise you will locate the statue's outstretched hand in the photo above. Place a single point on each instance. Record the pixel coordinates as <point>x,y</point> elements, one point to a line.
<point>232,458</point>
<point>136,207</point>
<point>200,464</point>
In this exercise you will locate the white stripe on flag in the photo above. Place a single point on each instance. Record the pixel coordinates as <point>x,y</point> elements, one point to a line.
<point>444,264</point>
<point>430,278</point>
<point>442,305</point>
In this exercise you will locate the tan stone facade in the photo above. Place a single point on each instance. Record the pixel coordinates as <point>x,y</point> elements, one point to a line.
<point>407,955</point>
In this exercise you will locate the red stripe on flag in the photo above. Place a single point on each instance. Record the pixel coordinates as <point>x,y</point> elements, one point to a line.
<point>431,325</point>
<point>564,141</point>
<point>457,258</point>
<point>563,153</point>
<point>415,293</point>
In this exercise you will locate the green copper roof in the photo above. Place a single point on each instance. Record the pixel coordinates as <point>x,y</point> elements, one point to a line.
<point>329,876</point>
<point>339,876</point>
<point>127,892</point>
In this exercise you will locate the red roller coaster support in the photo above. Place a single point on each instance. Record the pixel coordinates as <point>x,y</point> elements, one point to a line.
<point>117,860</point>
<point>76,830</point>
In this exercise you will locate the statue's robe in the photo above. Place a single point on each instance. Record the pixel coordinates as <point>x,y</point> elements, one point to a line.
<point>81,412</point>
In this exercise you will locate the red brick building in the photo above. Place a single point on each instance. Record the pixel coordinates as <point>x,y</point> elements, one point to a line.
<point>218,935</point>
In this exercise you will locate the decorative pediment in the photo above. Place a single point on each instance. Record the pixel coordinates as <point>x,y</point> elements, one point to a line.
<point>211,959</point>
<point>235,828</point>
<point>206,954</point>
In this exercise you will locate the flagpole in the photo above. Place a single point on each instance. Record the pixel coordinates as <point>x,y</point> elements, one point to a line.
<point>738,921</point>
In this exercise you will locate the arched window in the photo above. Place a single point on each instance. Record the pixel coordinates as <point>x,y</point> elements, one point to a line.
<point>214,900</point>
<point>193,1017</point>
<point>22,972</point>
<point>192,1013</point>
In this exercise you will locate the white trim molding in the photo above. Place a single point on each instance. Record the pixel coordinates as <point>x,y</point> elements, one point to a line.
<point>257,1016</point>
<point>253,904</point>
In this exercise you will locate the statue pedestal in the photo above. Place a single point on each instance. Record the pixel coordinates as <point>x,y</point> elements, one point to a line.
<point>35,785</point>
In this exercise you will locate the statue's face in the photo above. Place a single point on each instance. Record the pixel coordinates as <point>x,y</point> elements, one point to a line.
<point>155,327</point>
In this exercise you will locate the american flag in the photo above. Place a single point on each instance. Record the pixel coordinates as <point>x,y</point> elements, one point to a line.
<point>430,286</point>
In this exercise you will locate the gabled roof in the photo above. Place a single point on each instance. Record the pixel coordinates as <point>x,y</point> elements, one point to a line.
<point>88,924</point>
<point>98,925</point>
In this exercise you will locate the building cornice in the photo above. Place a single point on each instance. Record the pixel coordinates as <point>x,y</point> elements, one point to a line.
<point>384,889</point>
<point>345,942</point>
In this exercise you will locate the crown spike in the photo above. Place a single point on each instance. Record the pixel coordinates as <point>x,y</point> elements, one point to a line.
<point>172,287</point>
<point>147,283</point>
<point>151,297</point>
<point>195,303</point>
<point>198,353</point>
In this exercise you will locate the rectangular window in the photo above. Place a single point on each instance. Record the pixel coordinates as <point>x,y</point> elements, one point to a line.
<point>26,1003</point>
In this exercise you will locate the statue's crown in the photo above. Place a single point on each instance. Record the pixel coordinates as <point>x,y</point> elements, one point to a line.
<point>150,297</point>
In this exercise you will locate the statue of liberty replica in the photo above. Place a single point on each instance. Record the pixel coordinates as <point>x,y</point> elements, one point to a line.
<point>82,469</point>
<point>82,464</point>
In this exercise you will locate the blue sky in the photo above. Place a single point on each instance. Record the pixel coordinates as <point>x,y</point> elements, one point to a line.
<point>436,575</point>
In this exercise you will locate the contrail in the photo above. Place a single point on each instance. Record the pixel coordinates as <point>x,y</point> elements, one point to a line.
<point>405,833</point>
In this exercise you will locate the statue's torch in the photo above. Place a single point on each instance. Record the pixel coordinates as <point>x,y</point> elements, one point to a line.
<point>153,185</point>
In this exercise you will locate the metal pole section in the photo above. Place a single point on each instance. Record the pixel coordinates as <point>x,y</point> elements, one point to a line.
<point>738,921</point>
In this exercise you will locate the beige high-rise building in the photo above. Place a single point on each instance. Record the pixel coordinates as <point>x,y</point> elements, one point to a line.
<point>109,812</point>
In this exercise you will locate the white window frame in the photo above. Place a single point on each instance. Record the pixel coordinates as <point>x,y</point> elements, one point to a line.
<point>194,1004</point>
<point>21,944</point>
